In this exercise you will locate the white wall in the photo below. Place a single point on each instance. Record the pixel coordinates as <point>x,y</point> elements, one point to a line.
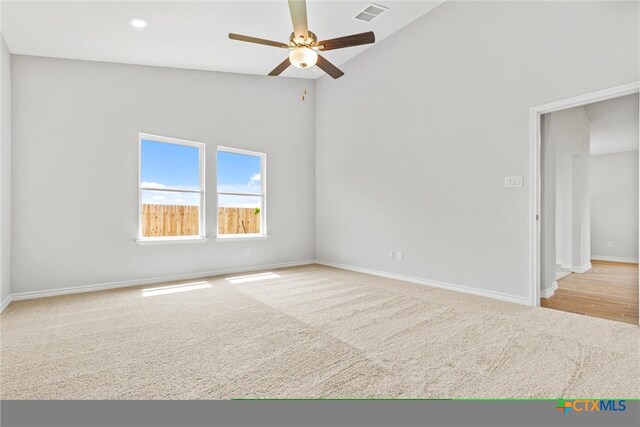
<point>614,205</point>
<point>5,171</point>
<point>414,142</point>
<point>615,124</point>
<point>75,167</point>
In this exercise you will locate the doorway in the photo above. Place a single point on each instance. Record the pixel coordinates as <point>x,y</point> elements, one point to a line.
<point>585,197</point>
<point>608,290</point>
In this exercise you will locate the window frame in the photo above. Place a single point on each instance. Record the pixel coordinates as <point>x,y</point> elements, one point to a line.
<point>263,195</point>
<point>201,166</point>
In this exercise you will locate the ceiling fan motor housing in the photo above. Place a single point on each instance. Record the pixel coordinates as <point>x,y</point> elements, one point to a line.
<point>310,41</point>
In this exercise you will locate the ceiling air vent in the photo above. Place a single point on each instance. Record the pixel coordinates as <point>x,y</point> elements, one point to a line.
<point>371,13</point>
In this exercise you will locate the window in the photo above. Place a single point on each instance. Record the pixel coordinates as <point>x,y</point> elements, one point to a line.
<point>171,189</point>
<point>241,193</point>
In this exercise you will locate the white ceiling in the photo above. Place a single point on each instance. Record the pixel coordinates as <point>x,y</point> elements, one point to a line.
<point>186,34</point>
<point>614,125</point>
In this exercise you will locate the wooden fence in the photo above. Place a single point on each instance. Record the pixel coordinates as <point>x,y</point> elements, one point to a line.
<point>170,220</point>
<point>238,220</point>
<point>174,220</point>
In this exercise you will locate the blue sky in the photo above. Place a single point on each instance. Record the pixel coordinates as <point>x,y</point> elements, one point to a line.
<point>238,173</point>
<point>170,165</point>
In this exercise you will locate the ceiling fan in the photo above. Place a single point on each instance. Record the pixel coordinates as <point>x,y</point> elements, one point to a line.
<point>303,44</point>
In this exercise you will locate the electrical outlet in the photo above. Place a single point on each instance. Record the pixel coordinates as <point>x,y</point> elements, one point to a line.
<point>247,251</point>
<point>609,244</point>
<point>400,256</point>
<point>390,254</point>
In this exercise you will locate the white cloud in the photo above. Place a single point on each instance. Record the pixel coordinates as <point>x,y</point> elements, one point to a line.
<point>152,184</point>
<point>170,198</point>
<point>254,180</point>
<point>239,201</point>
<point>158,186</point>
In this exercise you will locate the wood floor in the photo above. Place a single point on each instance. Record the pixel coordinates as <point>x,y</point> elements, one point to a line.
<point>609,290</point>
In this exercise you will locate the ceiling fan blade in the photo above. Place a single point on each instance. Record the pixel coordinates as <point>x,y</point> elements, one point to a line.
<point>298,10</point>
<point>250,39</point>
<point>348,41</point>
<point>280,68</point>
<point>329,68</point>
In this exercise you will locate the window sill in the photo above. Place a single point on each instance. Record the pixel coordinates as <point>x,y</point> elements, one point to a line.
<point>170,240</point>
<point>241,237</point>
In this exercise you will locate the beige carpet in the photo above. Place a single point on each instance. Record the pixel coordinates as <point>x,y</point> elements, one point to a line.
<point>310,332</point>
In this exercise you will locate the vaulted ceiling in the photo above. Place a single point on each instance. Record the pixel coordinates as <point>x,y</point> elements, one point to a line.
<point>188,34</point>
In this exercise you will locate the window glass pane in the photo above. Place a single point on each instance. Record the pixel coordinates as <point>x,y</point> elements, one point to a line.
<point>165,213</point>
<point>239,214</point>
<point>238,173</point>
<point>178,198</point>
<point>165,165</point>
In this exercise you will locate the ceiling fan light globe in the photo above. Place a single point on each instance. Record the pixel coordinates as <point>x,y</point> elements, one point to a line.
<point>303,57</point>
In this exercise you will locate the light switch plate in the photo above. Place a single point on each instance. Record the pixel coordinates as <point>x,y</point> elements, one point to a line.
<point>513,181</point>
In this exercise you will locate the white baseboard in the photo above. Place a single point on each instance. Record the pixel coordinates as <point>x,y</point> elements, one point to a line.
<point>582,269</point>
<point>5,303</point>
<point>150,281</point>
<point>614,259</point>
<point>450,286</point>
<point>566,267</point>
<point>139,282</point>
<point>548,293</point>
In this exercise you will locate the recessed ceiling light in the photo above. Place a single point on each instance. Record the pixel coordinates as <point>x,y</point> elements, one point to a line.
<point>138,22</point>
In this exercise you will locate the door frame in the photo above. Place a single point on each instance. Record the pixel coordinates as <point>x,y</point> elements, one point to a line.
<point>535,146</point>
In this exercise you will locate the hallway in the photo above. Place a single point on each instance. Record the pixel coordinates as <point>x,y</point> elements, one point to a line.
<point>609,290</point>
